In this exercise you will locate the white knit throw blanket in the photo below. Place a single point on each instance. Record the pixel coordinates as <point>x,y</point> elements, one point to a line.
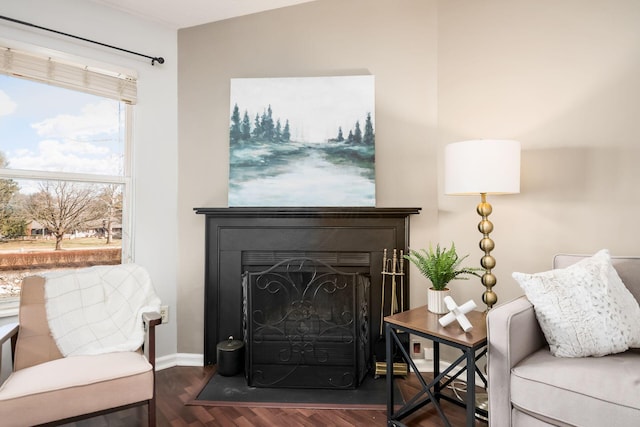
<point>98,309</point>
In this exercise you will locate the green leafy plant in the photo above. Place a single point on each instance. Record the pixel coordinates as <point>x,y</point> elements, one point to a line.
<point>440,266</point>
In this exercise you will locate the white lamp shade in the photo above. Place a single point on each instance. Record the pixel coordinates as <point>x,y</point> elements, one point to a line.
<point>482,166</point>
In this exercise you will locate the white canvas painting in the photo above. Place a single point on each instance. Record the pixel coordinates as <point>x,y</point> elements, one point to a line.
<point>306,141</point>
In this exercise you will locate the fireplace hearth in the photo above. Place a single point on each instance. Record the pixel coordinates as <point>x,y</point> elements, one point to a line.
<point>253,240</point>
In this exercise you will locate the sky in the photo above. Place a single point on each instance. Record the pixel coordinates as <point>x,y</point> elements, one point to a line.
<point>314,106</point>
<point>44,127</point>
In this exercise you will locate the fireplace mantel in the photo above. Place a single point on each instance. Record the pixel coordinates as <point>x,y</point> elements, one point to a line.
<point>308,212</point>
<point>229,232</point>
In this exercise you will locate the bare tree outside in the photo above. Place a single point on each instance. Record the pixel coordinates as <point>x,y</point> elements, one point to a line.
<point>63,207</point>
<point>111,198</point>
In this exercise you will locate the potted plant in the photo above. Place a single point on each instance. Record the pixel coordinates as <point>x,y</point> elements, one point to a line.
<point>440,267</point>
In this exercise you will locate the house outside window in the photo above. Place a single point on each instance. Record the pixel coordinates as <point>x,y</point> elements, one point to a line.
<point>65,175</point>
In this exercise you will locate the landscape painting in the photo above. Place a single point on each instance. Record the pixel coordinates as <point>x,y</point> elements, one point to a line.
<point>307,141</point>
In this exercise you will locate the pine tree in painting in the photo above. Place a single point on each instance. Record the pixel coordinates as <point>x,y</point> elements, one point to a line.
<point>277,133</point>
<point>369,137</point>
<point>245,128</point>
<point>286,133</point>
<point>267,124</point>
<point>235,132</point>
<point>357,134</point>
<point>257,127</point>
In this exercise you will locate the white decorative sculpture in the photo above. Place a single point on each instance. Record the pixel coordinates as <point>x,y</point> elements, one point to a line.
<point>457,313</point>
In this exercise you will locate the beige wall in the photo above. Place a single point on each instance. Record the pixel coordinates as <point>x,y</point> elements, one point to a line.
<point>394,41</point>
<point>561,77</point>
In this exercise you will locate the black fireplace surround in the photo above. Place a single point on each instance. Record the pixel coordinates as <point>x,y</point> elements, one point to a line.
<point>250,240</point>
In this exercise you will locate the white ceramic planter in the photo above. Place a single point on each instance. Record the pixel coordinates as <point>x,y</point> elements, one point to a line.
<point>435,300</point>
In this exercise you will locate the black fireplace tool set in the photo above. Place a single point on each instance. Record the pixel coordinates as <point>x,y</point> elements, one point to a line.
<point>392,302</point>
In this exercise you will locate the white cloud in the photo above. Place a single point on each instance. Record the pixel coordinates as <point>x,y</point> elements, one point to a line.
<point>95,119</point>
<point>7,106</point>
<point>50,147</point>
<point>68,156</point>
<point>53,155</point>
<point>84,143</point>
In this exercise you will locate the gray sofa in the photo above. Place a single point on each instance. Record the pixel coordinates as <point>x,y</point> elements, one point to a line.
<point>529,387</point>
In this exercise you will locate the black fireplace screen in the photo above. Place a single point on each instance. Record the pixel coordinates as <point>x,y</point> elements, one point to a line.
<point>306,325</point>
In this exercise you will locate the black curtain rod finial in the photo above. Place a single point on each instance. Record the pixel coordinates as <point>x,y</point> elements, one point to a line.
<point>159,60</point>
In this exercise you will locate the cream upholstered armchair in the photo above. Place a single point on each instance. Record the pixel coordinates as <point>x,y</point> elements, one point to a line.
<point>46,386</point>
<point>529,386</point>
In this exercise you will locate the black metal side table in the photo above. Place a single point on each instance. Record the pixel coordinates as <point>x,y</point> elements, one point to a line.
<point>421,322</point>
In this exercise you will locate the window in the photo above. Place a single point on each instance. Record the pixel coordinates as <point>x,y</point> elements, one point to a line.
<point>64,167</point>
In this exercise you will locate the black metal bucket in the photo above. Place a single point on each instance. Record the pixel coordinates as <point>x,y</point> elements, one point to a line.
<point>230,355</point>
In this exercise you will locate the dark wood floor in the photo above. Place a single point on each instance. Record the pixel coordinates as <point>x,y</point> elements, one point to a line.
<point>179,385</point>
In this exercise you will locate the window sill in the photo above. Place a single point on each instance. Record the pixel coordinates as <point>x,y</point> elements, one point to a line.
<point>9,306</point>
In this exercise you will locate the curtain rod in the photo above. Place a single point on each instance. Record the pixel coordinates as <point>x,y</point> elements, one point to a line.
<point>154,59</point>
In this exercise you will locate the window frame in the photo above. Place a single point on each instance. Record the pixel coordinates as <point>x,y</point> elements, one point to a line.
<point>9,305</point>
<point>124,180</point>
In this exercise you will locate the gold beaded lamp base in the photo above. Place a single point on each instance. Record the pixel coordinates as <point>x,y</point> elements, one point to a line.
<point>487,262</point>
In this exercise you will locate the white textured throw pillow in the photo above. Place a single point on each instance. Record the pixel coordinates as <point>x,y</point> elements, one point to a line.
<point>584,309</point>
<point>627,305</point>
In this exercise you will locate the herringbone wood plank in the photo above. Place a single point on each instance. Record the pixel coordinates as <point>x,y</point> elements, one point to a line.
<point>178,385</point>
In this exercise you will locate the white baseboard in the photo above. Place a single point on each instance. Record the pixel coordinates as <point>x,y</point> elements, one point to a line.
<point>424,365</point>
<point>179,359</point>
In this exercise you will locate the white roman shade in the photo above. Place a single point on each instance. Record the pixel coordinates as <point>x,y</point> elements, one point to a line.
<point>69,75</point>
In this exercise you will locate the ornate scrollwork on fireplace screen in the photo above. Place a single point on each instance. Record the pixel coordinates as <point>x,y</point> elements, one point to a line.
<point>306,325</point>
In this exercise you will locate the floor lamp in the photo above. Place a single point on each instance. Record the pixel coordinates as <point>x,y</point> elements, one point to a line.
<point>483,166</point>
